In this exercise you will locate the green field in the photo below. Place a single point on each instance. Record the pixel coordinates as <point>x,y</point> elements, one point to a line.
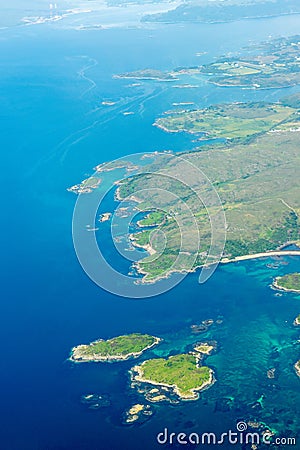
<point>181,371</point>
<point>229,121</point>
<point>152,219</point>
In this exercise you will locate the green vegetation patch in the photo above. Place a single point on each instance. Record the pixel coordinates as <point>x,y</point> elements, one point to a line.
<point>290,282</point>
<point>152,219</point>
<point>229,121</point>
<point>181,371</point>
<point>119,346</point>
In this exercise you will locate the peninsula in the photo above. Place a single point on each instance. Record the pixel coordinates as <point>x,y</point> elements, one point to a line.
<point>119,348</point>
<point>182,373</point>
<point>148,74</point>
<point>86,186</point>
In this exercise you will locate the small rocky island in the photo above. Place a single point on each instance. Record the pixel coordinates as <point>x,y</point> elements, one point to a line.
<point>119,348</point>
<point>96,401</point>
<point>205,348</point>
<point>182,373</point>
<point>297,321</point>
<point>289,282</point>
<point>105,217</point>
<point>137,413</point>
<point>202,327</point>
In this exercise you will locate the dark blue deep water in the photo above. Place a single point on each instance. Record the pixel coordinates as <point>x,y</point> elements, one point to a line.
<point>54,131</point>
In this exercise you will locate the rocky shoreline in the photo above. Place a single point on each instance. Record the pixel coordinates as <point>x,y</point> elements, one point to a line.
<point>136,374</point>
<point>282,288</point>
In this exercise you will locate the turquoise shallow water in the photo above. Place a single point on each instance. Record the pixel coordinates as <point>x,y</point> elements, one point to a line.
<point>54,131</point>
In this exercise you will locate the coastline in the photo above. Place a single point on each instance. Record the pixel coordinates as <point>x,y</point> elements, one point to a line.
<point>222,261</point>
<point>261,255</point>
<point>251,86</point>
<point>212,22</point>
<point>184,130</point>
<point>146,247</point>
<point>78,358</point>
<point>140,77</point>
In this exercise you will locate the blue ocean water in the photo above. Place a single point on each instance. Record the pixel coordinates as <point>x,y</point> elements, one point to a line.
<point>54,131</point>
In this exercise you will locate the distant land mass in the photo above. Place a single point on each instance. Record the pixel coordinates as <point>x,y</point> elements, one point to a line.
<point>133,2</point>
<point>272,64</point>
<point>220,11</point>
<point>257,185</point>
<point>251,158</point>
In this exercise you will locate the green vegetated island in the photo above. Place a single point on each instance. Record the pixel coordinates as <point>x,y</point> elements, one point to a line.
<point>290,283</point>
<point>182,373</point>
<point>119,348</point>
